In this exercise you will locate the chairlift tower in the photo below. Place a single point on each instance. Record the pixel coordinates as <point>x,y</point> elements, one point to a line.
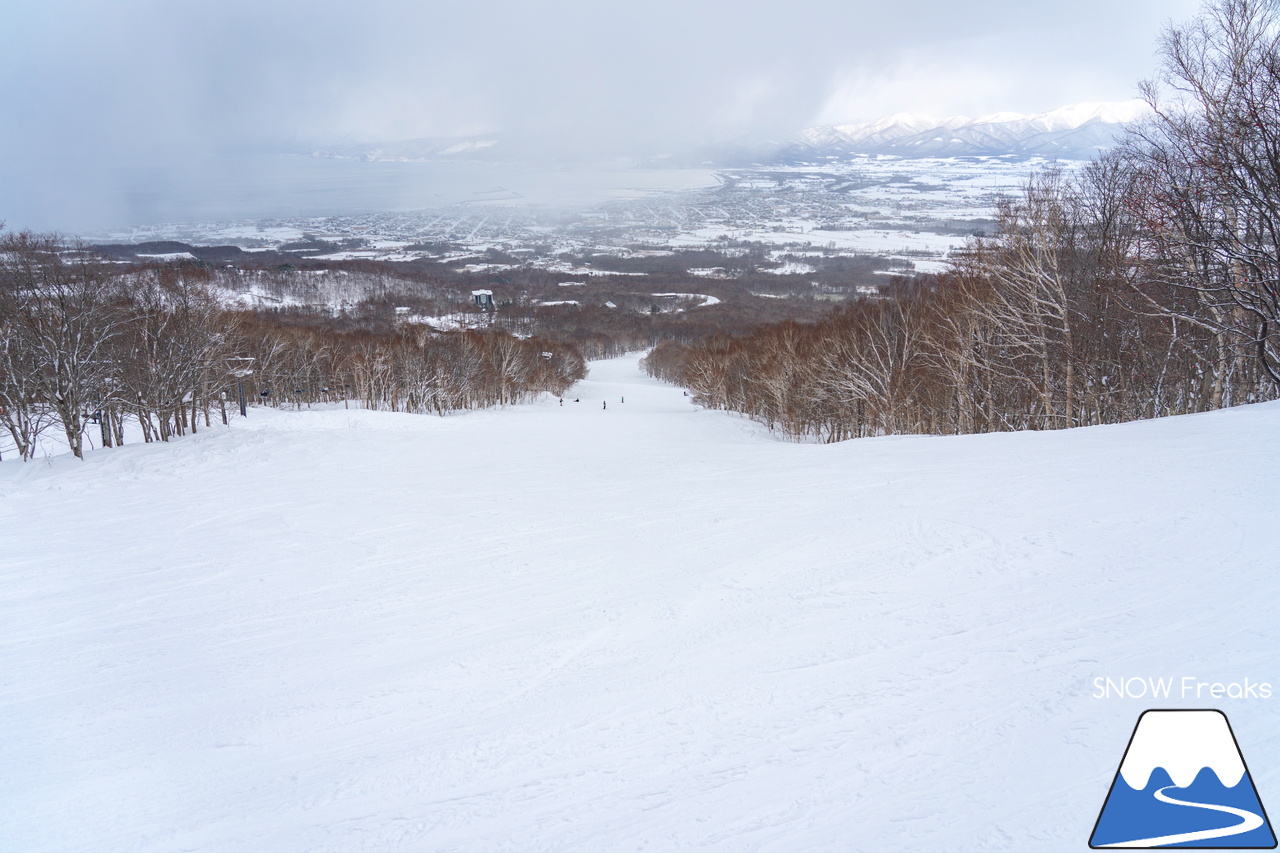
<point>240,368</point>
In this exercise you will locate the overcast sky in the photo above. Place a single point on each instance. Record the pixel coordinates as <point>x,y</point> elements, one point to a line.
<point>88,88</point>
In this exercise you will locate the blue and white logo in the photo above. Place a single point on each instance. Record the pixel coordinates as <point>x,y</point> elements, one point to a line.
<point>1183,783</point>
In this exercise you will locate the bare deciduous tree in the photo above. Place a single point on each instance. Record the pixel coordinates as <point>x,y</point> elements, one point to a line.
<point>68,311</point>
<point>1209,162</point>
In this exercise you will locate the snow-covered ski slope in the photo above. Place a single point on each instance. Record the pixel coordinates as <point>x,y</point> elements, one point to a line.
<point>649,627</point>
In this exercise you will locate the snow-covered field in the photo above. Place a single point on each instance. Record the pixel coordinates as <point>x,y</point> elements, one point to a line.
<point>646,627</point>
<point>920,208</point>
<point>866,241</point>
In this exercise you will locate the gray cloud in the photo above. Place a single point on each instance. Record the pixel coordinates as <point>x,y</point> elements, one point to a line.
<point>92,94</point>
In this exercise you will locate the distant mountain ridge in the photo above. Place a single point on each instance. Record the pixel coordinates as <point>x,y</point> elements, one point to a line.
<point>415,150</point>
<point>1080,130</point>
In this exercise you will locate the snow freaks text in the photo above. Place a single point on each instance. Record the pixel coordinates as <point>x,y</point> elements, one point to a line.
<point>1184,687</point>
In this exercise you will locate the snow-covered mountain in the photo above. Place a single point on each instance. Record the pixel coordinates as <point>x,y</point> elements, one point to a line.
<point>1193,754</point>
<point>1073,132</point>
<point>1080,130</point>
<point>1183,743</point>
<point>416,150</point>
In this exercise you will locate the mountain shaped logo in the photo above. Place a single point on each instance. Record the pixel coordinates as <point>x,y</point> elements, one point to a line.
<point>1183,783</point>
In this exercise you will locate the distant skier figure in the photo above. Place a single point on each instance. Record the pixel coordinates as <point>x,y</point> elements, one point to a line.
<point>624,399</point>
<point>604,404</point>
<point>576,400</point>
<point>562,401</point>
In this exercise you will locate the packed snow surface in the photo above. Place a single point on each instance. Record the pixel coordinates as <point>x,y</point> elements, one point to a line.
<point>646,626</point>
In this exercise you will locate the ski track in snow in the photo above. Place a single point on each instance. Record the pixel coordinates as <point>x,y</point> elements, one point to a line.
<point>654,627</point>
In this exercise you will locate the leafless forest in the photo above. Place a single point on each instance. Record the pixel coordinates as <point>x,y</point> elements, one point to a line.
<point>84,342</point>
<point>1146,284</point>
